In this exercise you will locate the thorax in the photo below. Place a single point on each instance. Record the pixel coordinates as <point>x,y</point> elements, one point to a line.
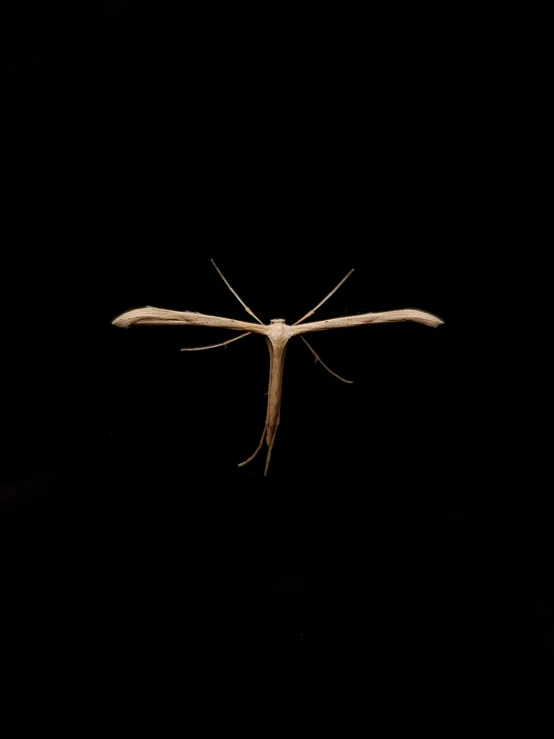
<point>278,333</point>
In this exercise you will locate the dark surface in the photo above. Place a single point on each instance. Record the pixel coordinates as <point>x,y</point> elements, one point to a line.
<point>385,576</point>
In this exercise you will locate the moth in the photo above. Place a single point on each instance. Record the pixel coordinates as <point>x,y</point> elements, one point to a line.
<point>277,333</point>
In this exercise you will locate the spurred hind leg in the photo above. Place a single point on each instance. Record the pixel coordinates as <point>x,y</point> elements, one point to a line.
<point>257,450</point>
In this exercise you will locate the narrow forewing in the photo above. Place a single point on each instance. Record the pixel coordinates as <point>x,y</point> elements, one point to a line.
<point>391,316</point>
<point>161,316</point>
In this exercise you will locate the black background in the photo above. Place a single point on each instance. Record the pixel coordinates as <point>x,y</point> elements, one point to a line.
<point>383,576</point>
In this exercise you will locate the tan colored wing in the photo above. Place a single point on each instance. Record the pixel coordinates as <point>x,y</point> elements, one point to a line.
<point>391,316</point>
<point>161,316</point>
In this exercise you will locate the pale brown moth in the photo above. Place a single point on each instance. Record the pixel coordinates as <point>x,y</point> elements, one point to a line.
<point>277,334</point>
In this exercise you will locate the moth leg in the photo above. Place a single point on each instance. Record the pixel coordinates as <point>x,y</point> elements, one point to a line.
<point>257,450</point>
<point>241,301</point>
<point>214,346</point>
<point>318,359</point>
<point>334,290</point>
